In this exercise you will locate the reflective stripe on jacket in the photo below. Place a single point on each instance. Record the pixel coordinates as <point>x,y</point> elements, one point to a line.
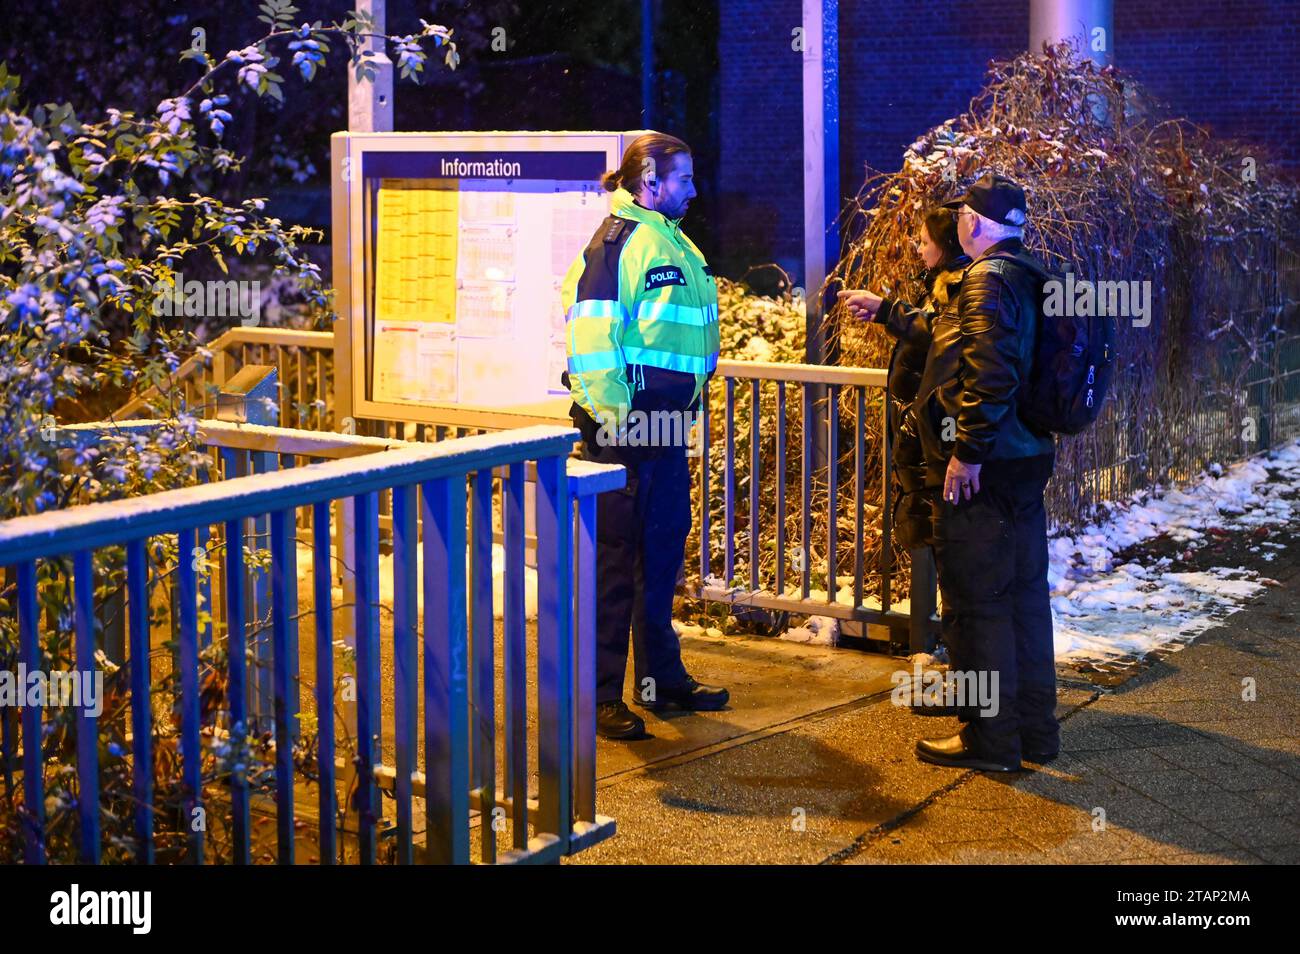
<point>641,315</point>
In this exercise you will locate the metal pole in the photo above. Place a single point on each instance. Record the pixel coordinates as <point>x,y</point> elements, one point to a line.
<point>821,184</point>
<point>1092,22</point>
<point>370,109</point>
<point>821,160</point>
<point>647,64</point>
<point>370,102</point>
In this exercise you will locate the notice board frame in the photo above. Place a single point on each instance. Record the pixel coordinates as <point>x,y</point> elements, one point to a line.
<point>357,162</point>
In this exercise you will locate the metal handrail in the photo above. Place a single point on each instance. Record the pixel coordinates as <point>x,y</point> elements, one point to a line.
<point>804,373</point>
<point>456,746</point>
<point>112,522</point>
<point>815,380</point>
<point>765,526</point>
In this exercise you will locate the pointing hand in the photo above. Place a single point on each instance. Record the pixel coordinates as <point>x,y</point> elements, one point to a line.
<point>861,303</point>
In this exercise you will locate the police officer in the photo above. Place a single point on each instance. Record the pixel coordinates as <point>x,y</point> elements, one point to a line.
<point>641,326</point>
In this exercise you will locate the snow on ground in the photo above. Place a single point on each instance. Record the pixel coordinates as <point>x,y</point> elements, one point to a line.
<point>1103,610</point>
<point>694,629</point>
<point>819,630</point>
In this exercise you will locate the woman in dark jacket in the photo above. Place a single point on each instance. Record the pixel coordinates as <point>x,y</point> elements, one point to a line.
<point>911,325</point>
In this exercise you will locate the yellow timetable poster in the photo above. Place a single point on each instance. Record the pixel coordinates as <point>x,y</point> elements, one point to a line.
<point>415,290</point>
<point>415,276</point>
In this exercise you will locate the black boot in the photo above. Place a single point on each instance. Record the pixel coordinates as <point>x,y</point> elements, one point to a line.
<point>955,753</point>
<point>614,720</point>
<point>1040,750</point>
<point>925,709</point>
<point>690,695</point>
<point>1039,758</point>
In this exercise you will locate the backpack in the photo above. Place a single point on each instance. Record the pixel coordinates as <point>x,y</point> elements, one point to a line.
<point>1074,359</point>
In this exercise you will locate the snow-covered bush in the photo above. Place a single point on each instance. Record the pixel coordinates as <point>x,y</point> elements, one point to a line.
<point>1121,192</point>
<point>97,218</point>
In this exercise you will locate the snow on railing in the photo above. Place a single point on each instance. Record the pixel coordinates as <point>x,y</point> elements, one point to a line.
<point>433,517</point>
<point>846,517</point>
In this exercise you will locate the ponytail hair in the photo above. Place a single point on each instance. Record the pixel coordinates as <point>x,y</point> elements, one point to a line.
<point>646,157</point>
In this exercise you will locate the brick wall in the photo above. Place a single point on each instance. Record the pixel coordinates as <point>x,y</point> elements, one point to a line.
<point>1230,65</point>
<point>906,65</point>
<point>759,208</point>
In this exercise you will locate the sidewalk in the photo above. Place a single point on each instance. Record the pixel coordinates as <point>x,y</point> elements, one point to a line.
<point>1170,766</point>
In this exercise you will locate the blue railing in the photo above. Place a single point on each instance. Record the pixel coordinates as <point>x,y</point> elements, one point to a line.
<point>451,526</point>
<point>762,548</point>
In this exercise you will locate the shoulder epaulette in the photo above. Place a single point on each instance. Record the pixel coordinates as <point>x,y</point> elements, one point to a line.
<point>615,229</point>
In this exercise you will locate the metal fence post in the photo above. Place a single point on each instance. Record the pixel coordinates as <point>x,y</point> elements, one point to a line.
<point>554,650</point>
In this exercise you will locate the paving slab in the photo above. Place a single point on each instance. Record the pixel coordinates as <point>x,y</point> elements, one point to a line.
<point>811,763</point>
<point>1170,765</point>
<point>772,682</point>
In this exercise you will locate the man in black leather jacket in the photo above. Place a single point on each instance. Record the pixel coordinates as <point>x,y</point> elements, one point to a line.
<point>989,522</point>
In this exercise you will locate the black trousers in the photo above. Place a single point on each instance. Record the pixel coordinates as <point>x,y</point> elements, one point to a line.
<point>640,545</point>
<point>992,557</point>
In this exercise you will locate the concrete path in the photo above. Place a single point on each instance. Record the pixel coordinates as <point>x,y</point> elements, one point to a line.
<point>1171,766</point>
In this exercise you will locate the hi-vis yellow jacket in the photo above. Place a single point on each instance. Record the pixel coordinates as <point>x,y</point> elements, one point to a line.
<point>641,316</point>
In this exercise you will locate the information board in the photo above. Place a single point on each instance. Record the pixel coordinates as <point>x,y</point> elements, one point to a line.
<point>458,246</point>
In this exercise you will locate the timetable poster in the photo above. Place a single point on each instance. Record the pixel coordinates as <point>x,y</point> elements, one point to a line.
<point>467,287</point>
<point>415,290</point>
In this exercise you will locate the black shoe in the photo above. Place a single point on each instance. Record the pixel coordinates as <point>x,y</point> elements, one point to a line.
<point>1038,758</point>
<point>614,720</point>
<point>690,695</point>
<point>921,709</point>
<point>1041,749</point>
<point>954,753</point>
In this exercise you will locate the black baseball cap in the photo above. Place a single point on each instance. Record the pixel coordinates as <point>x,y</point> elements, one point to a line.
<point>994,197</point>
